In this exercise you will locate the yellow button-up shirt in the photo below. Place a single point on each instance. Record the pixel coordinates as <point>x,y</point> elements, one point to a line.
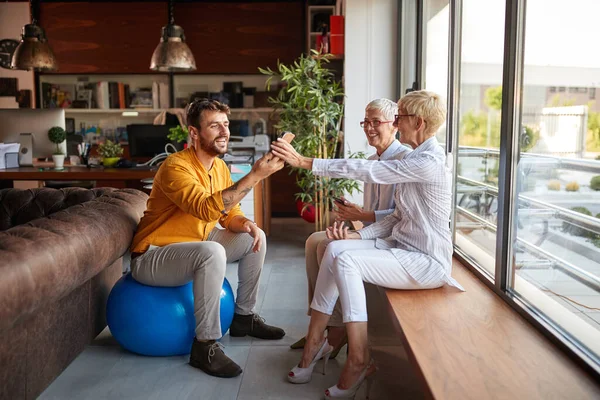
<point>185,203</point>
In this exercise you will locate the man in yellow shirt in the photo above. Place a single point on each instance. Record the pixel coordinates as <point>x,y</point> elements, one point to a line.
<point>177,239</point>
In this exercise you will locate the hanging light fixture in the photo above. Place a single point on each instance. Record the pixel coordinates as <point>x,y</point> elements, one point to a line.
<point>172,53</point>
<point>33,53</point>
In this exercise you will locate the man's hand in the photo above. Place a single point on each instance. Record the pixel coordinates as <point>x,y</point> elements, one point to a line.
<point>339,232</point>
<point>251,228</point>
<point>349,211</point>
<point>287,153</point>
<point>267,166</point>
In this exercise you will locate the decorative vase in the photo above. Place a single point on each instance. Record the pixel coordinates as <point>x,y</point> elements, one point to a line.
<point>110,162</point>
<point>59,161</point>
<point>309,212</point>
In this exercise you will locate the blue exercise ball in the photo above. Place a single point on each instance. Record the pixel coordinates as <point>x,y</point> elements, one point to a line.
<point>158,321</point>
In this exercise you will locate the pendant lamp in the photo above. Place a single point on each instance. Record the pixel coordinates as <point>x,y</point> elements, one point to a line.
<point>172,53</point>
<point>33,52</point>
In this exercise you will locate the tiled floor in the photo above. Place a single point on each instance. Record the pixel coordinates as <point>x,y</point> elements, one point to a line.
<point>105,371</point>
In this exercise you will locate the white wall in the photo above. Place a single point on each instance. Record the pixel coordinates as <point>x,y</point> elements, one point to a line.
<point>12,18</point>
<point>370,64</point>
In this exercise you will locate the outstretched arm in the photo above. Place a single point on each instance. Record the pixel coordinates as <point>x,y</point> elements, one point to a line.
<point>260,170</point>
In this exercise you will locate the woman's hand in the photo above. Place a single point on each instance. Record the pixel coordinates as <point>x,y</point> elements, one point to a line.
<point>286,152</point>
<point>339,232</point>
<point>349,211</point>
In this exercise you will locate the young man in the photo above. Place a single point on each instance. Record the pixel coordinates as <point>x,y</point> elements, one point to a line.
<point>177,240</point>
<point>378,126</point>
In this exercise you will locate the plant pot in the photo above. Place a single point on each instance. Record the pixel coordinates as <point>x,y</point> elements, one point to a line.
<point>59,161</point>
<point>110,162</point>
<point>309,212</point>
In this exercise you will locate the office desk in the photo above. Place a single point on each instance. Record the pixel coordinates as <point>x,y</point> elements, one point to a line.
<point>104,177</point>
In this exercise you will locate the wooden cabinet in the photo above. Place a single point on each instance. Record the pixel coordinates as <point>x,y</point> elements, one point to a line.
<point>103,37</point>
<point>238,38</point>
<point>225,37</point>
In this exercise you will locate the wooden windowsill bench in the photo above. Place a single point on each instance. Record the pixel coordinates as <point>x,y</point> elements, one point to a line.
<point>473,345</point>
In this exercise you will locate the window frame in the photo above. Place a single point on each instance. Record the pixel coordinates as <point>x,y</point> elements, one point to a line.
<point>512,97</point>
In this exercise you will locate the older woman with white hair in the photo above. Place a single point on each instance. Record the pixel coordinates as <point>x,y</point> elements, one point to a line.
<point>378,203</point>
<point>409,249</point>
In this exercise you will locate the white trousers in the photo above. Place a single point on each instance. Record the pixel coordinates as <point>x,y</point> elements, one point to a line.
<point>345,265</point>
<point>315,250</point>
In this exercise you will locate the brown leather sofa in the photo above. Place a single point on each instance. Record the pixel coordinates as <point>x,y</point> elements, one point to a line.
<point>61,251</point>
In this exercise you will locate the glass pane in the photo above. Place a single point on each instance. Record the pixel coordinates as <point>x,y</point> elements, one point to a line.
<point>479,131</point>
<point>436,25</point>
<point>556,268</point>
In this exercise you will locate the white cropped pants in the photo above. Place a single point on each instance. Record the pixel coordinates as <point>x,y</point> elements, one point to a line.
<point>345,266</point>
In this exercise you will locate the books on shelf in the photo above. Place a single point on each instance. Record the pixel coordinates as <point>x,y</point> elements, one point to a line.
<point>102,95</point>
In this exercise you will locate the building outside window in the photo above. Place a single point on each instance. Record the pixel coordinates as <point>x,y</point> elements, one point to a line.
<point>556,264</point>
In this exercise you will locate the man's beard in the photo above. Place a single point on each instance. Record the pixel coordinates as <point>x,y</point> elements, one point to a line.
<point>212,148</point>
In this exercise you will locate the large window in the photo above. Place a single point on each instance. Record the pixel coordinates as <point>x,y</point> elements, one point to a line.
<point>436,30</point>
<point>556,267</point>
<point>479,131</point>
<point>538,168</point>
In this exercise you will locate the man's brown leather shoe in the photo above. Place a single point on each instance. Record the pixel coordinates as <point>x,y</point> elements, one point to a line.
<point>253,325</point>
<point>209,357</point>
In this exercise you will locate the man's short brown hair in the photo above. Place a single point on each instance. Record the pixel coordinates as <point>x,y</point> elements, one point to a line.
<point>193,112</point>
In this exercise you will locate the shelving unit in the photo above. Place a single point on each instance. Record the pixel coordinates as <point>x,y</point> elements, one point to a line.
<point>314,17</point>
<point>114,120</point>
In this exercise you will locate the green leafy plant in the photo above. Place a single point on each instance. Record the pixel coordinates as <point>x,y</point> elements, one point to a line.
<point>595,183</point>
<point>109,149</point>
<point>493,97</point>
<point>574,229</point>
<point>529,138</point>
<point>57,135</point>
<point>178,134</point>
<point>310,104</point>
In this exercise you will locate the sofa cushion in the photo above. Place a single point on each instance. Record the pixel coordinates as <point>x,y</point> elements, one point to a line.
<point>19,206</point>
<point>45,259</point>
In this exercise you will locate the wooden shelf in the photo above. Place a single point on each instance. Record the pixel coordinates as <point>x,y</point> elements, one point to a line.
<point>329,56</point>
<point>112,110</point>
<point>147,110</point>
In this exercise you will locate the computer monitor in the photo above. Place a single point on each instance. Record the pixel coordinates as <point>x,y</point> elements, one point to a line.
<point>13,122</point>
<point>147,140</point>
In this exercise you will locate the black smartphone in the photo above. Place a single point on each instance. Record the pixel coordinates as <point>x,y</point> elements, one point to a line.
<point>339,200</point>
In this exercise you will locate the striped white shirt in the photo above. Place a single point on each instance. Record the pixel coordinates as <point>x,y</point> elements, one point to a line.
<point>380,198</point>
<point>418,231</point>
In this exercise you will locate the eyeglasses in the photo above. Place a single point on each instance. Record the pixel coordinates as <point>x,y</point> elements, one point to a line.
<point>398,116</point>
<point>374,124</point>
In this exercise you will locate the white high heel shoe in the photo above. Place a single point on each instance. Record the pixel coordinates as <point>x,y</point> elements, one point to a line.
<point>303,375</point>
<point>335,392</point>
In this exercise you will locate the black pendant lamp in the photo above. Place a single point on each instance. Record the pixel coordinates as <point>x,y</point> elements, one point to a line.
<point>33,53</point>
<point>172,53</point>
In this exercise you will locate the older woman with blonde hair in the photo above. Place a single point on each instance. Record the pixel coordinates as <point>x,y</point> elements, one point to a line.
<point>409,249</point>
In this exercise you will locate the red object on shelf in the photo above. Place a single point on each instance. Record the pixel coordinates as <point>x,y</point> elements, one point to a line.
<point>336,22</point>
<point>309,212</point>
<point>322,43</point>
<point>336,35</point>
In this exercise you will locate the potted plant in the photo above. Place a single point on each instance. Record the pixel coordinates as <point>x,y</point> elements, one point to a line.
<point>57,135</point>
<point>178,134</point>
<point>310,104</point>
<point>110,152</point>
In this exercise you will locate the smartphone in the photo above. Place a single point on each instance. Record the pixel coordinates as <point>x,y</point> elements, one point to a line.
<point>339,200</point>
<point>287,136</point>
